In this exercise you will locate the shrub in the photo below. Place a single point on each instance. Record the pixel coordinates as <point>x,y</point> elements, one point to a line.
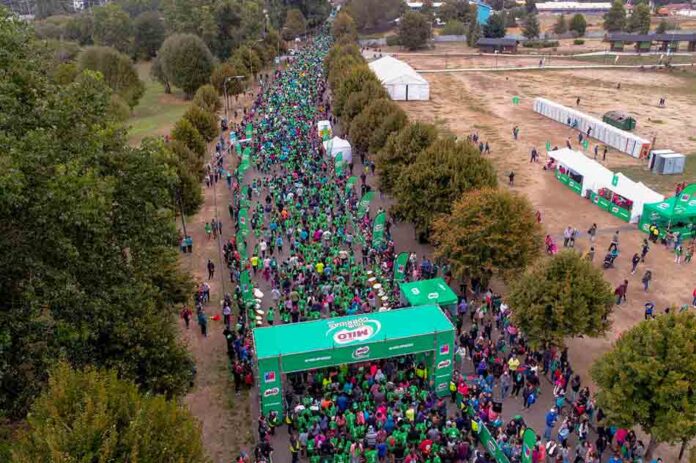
<point>578,42</point>
<point>205,122</point>
<point>207,98</point>
<point>393,41</point>
<point>540,44</point>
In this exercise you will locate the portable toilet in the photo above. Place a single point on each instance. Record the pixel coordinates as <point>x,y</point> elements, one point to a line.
<point>666,162</point>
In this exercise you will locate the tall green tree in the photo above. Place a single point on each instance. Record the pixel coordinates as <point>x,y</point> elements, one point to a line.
<point>186,62</point>
<point>118,72</point>
<point>208,99</point>
<point>530,27</point>
<point>489,232</point>
<point>344,27</point>
<point>149,34</point>
<point>458,10</point>
<point>473,33</point>
<point>205,122</point>
<point>229,76</point>
<point>92,415</point>
<point>440,174</point>
<point>401,149</point>
<point>113,27</point>
<point>80,28</point>
<point>249,59</point>
<point>295,24</point>
<point>495,28</point>
<point>366,124</point>
<point>356,77</point>
<point>372,90</point>
<point>185,132</point>
<point>369,14</point>
<point>615,18</point>
<point>561,25</point>
<point>415,30</point>
<point>647,379</point>
<point>562,296</point>
<point>639,21</point>
<point>578,24</point>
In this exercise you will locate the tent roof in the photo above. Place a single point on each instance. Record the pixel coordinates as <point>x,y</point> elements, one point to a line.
<point>635,191</point>
<point>390,70</point>
<point>683,205</point>
<point>428,292</point>
<point>337,142</point>
<point>296,338</point>
<point>583,165</point>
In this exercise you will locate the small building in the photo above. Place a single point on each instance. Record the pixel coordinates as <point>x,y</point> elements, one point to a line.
<point>644,42</point>
<point>400,80</point>
<point>573,7</point>
<point>504,45</point>
<point>483,10</point>
<point>620,120</point>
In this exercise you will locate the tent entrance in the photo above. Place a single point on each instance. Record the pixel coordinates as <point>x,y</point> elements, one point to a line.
<point>422,331</point>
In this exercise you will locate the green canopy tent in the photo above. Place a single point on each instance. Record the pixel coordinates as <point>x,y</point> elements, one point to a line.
<point>677,214</point>
<point>295,347</point>
<point>434,291</point>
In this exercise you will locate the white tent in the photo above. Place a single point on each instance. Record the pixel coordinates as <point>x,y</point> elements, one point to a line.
<point>621,140</point>
<point>636,192</point>
<point>339,145</point>
<point>590,175</point>
<point>400,80</point>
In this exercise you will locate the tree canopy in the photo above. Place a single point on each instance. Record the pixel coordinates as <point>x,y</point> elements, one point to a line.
<point>344,27</point>
<point>414,30</point>
<point>92,415</point>
<point>578,24</point>
<point>561,25</point>
<point>369,14</point>
<point>647,379</point>
<point>495,28</point>
<point>118,72</point>
<point>186,62</point>
<point>639,21</point>
<point>113,27</point>
<point>149,34</point>
<point>530,26</point>
<point>561,296</point>
<point>440,174</point>
<point>366,124</point>
<point>615,18</point>
<point>101,283</point>
<point>401,149</point>
<point>488,232</point>
<point>295,24</point>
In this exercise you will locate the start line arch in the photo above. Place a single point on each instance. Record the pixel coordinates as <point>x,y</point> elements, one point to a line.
<point>295,347</point>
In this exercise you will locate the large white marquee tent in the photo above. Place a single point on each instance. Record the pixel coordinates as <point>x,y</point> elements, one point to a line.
<point>621,140</point>
<point>339,145</point>
<point>400,80</point>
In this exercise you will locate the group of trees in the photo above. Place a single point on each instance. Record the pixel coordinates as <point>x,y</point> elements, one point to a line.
<point>88,268</point>
<point>616,20</point>
<point>577,25</point>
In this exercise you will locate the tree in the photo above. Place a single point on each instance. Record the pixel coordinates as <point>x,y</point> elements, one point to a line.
<point>647,379</point>
<point>187,134</point>
<point>118,72</point>
<point>207,98</point>
<point>186,62</point>
<point>189,168</point>
<point>439,175</point>
<point>366,124</point>
<point>495,28</point>
<point>230,73</point>
<point>355,79</point>
<point>578,24</point>
<point>390,124</point>
<point>295,24</point>
<point>92,415</point>
<point>414,30</point>
<point>559,297</point>
<point>80,28</point>
<point>205,122</point>
<point>561,25</point>
<point>488,232</point>
<point>248,59</point>
<point>615,18</point>
<point>530,28</point>
<point>372,90</point>
<point>149,34</point>
<point>454,27</point>
<point>530,6</point>
<point>473,33</point>
<point>157,73</point>
<point>113,27</point>
<point>661,29</point>
<point>344,27</point>
<point>369,14</point>
<point>639,21</point>
<point>401,150</point>
<point>458,10</point>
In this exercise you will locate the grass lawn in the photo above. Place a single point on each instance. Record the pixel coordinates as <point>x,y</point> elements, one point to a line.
<point>156,112</point>
<point>662,183</point>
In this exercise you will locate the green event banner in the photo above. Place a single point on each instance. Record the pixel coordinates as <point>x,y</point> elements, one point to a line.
<point>249,130</point>
<point>270,386</point>
<point>488,441</point>
<point>529,440</point>
<point>350,183</point>
<point>241,246</point>
<point>246,286</point>
<point>378,230</point>
<point>338,164</point>
<point>400,269</point>
<point>364,204</point>
<point>244,222</point>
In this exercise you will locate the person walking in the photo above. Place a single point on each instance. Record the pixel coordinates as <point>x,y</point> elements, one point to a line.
<point>620,292</point>
<point>644,250</point>
<point>592,232</point>
<point>211,269</point>
<point>186,314</point>
<point>567,234</point>
<point>511,176</point>
<point>635,260</point>
<point>647,276</point>
<point>551,418</point>
<point>203,323</point>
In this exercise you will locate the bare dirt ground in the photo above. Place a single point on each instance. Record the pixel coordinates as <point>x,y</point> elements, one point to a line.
<point>481,102</point>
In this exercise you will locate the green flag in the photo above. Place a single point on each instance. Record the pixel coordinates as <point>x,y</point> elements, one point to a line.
<point>529,440</point>
<point>244,222</point>
<point>247,289</point>
<point>338,160</point>
<point>400,270</point>
<point>488,441</point>
<point>364,203</point>
<point>249,130</point>
<point>241,246</point>
<point>378,230</point>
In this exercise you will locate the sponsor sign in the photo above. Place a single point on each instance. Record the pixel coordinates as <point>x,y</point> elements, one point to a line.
<point>271,392</point>
<point>444,349</point>
<point>269,377</point>
<point>361,353</point>
<point>357,330</point>
<point>444,364</point>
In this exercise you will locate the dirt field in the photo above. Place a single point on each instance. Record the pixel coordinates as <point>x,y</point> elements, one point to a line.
<point>463,103</point>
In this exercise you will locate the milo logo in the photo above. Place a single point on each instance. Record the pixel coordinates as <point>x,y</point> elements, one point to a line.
<point>356,330</point>
<point>441,386</point>
<point>271,392</point>
<point>614,209</point>
<point>379,227</point>
<point>361,352</point>
<point>444,364</point>
<point>490,445</point>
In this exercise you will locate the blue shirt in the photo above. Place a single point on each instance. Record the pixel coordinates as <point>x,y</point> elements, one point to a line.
<point>551,418</point>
